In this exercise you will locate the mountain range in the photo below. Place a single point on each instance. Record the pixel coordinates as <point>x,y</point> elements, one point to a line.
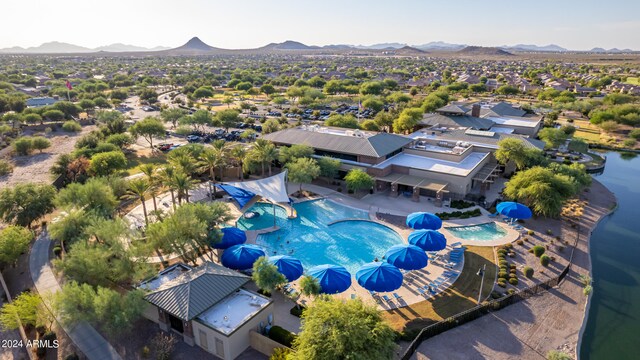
<point>197,46</point>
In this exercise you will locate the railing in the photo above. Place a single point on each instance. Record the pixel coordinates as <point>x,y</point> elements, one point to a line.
<point>488,307</point>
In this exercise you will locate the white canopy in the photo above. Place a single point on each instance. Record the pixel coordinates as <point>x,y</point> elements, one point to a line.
<point>273,188</point>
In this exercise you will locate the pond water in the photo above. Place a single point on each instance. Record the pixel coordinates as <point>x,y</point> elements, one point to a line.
<point>613,325</point>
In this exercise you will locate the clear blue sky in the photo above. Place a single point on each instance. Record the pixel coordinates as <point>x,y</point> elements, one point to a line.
<point>252,23</point>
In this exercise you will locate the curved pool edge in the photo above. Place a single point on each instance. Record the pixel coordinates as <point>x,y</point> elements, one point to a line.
<point>403,233</point>
<point>587,307</point>
<point>511,236</point>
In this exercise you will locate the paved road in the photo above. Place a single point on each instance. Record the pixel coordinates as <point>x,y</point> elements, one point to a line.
<point>83,335</point>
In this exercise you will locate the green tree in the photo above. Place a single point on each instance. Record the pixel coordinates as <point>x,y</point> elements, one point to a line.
<point>172,115</point>
<point>25,203</point>
<point>303,170</point>
<point>357,180</point>
<point>264,152</point>
<point>203,92</point>
<point>407,120</point>
<point>14,240</point>
<point>29,308</point>
<point>552,137</point>
<point>269,126</point>
<point>507,90</point>
<point>23,146</point>
<point>138,189</point>
<point>95,196</point>
<point>266,275</point>
<point>267,89</point>
<point>343,121</point>
<point>148,128</point>
<point>71,226</point>
<point>332,329</point>
<point>309,286</point>
<point>228,118</point>
<point>514,151</point>
<point>371,88</point>
<point>373,103</point>
<point>542,189</point>
<point>106,163</point>
<point>329,167</point>
<point>293,152</point>
<point>120,140</point>
<point>384,120</point>
<point>370,125</point>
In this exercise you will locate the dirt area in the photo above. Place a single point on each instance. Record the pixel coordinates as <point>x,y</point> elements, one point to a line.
<point>35,167</point>
<point>549,321</point>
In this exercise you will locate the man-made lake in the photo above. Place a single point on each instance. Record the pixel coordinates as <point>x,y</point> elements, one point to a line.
<point>613,326</point>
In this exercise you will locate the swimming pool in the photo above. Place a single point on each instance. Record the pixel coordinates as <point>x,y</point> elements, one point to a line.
<point>316,238</point>
<point>481,232</point>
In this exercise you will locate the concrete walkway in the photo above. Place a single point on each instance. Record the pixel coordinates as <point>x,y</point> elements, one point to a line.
<point>83,335</point>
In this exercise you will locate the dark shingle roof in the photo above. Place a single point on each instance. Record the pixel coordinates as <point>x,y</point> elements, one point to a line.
<point>453,109</point>
<point>465,121</point>
<point>191,293</point>
<point>502,109</point>
<point>378,145</point>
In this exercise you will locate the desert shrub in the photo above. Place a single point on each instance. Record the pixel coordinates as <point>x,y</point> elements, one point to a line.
<point>502,275</point>
<point>512,271</point>
<point>520,242</point>
<point>71,126</point>
<point>496,294</point>
<point>280,354</point>
<point>145,352</point>
<point>23,146</point>
<point>538,250</point>
<point>513,281</point>
<point>528,272</point>
<point>587,290</point>
<point>503,262</point>
<point>511,291</point>
<point>5,167</point>
<point>530,232</point>
<point>502,252</point>
<point>283,336</point>
<point>549,232</point>
<point>512,266</point>
<point>544,260</point>
<point>508,246</point>
<point>558,355</point>
<point>512,254</point>
<point>502,284</point>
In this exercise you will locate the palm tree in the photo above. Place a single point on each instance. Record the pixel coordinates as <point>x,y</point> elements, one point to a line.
<point>138,188</point>
<point>209,160</point>
<point>238,154</point>
<point>148,170</point>
<point>185,163</point>
<point>166,178</point>
<point>182,183</point>
<point>265,152</point>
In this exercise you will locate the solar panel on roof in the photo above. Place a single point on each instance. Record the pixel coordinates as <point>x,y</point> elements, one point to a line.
<point>480,133</point>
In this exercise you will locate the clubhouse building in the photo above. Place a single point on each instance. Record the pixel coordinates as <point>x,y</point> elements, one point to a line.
<point>442,163</point>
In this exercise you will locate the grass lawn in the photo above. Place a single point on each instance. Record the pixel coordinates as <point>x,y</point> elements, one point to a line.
<point>633,80</point>
<point>461,296</point>
<point>587,136</point>
<point>134,162</point>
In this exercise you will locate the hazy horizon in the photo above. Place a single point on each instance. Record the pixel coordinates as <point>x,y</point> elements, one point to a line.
<point>575,25</point>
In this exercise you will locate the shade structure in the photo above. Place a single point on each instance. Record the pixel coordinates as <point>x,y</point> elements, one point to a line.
<point>424,220</point>
<point>514,210</point>
<point>288,266</point>
<point>241,257</point>
<point>379,276</point>
<point>407,257</point>
<point>333,279</point>
<point>230,236</point>
<point>428,240</point>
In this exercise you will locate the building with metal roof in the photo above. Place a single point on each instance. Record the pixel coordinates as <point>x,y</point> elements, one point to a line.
<point>207,306</point>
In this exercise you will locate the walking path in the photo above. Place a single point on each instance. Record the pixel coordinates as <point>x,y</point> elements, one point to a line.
<point>83,335</point>
<point>531,328</point>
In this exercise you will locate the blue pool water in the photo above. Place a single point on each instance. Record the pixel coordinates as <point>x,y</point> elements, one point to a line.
<point>481,232</point>
<point>312,238</point>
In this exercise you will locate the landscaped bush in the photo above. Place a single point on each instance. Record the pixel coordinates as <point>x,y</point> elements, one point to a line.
<point>23,146</point>
<point>502,274</point>
<point>71,126</point>
<point>280,354</point>
<point>512,271</point>
<point>512,266</point>
<point>459,214</point>
<point>283,336</point>
<point>145,352</point>
<point>57,250</point>
<point>503,262</point>
<point>461,204</point>
<point>538,250</point>
<point>502,284</point>
<point>544,260</point>
<point>511,291</point>
<point>528,272</point>
<point>530,232</point>
<point>513,281</point>
<point>502,252</point>
<point>297,311</point>
<point>520,242</point>
<point>496,294</point>
<point>5,167</point>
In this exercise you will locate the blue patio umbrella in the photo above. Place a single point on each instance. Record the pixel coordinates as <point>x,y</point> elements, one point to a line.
<point>428,240</point>
<point>514,210</point>
<point>230,236</point>
<point>333,279</point>
<point>241,257</point>
<point>407,257</point>
<point>379,276</point>
<point>423,220</point>
<point>288,266</point>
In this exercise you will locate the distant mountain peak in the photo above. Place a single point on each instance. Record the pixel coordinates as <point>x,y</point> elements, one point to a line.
<point>480,50</point>
<point>196,44</point>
